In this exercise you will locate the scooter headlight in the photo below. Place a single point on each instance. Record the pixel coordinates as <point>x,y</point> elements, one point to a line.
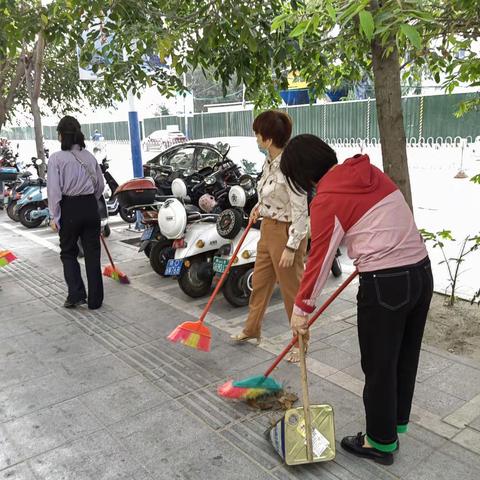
<point>210,180</point>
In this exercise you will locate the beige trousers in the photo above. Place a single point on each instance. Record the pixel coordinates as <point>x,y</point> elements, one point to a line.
<point>267,272</point>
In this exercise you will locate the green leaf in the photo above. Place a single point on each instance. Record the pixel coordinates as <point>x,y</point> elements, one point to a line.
<point>279,21</point>
<point>331,11</point>
<point>367,24</point>
<point>412,34</point>
<point>44,19</point>
<point>300,29</point>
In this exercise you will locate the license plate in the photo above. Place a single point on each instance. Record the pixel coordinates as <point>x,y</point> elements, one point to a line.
<point>219,264</point>
<point>174,267</point>
<point>147,234</point>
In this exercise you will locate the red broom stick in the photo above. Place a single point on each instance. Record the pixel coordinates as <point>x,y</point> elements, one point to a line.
<point>112,271</point>
<point>225,273</point>
<point>259,385</point>
<point>335,294</point>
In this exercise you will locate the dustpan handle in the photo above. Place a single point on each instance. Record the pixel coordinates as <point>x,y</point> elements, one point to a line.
<point>306,400</point>
<point>225,273</point>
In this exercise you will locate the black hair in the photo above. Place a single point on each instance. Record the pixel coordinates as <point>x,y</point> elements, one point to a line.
<point>305,160</point>
<point>71,133</point>
<point>274,125</point>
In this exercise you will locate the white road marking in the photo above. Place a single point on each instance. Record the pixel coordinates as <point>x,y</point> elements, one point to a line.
<point>31,236</point>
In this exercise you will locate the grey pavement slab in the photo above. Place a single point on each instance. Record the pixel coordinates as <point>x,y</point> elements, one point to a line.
<point>64,384</point>
<point>335,357</point>
<point>96,456</point>
<point>436,401</point>
<point>171,442</point>
<point>21,471</point>
<point>459,380</point>
<point>430,364</point>
<point>44,430</point>
<point>123,399</point>
<point>9,314</point>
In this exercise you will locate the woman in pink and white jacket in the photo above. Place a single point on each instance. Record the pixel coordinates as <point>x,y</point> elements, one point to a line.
<point>357,204</point>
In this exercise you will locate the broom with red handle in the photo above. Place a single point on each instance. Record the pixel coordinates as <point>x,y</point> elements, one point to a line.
<point>196,334</point>
<point>110,270</point>
<point>253,387</point>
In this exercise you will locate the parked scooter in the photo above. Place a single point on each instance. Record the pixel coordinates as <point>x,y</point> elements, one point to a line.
<point>195,243</point>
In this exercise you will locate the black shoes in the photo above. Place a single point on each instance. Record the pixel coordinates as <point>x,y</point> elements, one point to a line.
<point>69,304</point>
<point>355,445</point>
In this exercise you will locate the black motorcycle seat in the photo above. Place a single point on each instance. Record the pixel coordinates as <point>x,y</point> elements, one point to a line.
<point>192,209</point>
<point>26,174</point>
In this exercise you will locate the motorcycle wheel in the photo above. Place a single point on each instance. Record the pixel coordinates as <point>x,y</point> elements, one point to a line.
<point>191,283</point>
<point>336,268</point>
<point>237,286</point>
<point>160,253</point>
<point>148,250</point>
<point>127,216</point>
<point>24,216</point>
<point>106,231</point>
<point>12,211</point>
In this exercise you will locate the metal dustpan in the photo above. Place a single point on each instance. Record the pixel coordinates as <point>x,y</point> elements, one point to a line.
<point>305,434</point>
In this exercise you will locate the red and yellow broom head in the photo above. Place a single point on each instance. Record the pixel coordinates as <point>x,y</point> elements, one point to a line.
<point>6,257</point>
<point>250,388</point>
<point>113,272</point>
<point>192,334</point>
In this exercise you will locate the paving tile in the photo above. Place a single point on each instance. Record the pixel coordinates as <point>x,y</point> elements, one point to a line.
<point>38,393</point>
<point>171,443</point>
<point>334,357</point>
<point>431,364</point>
<point>21,471</point>
<point>346,340</point>
<point>459,380</point>
<point>436,401</point>
<point>123,399</point>
<point>96,456</point>
<point>57,342</point>
<point>46,429</point>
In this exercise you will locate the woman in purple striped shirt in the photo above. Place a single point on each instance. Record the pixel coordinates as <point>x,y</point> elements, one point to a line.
<point>75,183</point>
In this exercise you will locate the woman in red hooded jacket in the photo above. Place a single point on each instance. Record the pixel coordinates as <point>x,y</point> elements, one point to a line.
<point>357,204</point>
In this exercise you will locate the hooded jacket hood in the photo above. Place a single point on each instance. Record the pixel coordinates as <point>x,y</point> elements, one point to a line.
<point>355,175</point>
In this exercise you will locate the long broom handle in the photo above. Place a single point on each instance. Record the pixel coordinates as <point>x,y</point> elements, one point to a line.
<point>334,295</point>
<point>106,249</point>
<point>225,273</point>
<point>306,400</point>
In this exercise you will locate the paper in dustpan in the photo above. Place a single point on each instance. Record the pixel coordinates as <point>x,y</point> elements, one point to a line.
<point>288,435</point>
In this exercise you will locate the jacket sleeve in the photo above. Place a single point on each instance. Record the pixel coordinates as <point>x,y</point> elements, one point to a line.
<point>299,207</point>
<point>54,190</point>
<point>327,233</point>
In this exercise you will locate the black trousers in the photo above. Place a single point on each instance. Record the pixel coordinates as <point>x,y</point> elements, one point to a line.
<point>80,220</point>
<point>392,310</point>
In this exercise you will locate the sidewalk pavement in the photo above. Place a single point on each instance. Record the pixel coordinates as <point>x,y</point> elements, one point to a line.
<point>103,395</point>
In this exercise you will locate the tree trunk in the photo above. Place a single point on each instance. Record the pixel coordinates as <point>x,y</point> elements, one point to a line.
<point>388,96</point>
<point>6,103</point>
<point>34,82</point>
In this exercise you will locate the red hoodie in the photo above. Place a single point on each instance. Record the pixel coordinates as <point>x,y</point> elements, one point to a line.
<point>357,203</point>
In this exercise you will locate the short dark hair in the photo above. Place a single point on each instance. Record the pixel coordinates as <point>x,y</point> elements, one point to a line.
<point>274,125</point>
<point>71,133</point>
<point>305,160</point>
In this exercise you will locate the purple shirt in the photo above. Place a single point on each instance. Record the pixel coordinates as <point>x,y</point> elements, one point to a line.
<point>67,177</point>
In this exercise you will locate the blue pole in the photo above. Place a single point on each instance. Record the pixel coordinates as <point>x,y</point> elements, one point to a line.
<point>135,143</point>
<point>135,146</point>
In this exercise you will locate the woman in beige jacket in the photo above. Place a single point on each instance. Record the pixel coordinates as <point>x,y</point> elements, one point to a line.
<point>282,245</point>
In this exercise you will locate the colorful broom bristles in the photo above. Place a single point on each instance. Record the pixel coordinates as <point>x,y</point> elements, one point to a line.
<point>6,257</point>
<point>117,275</point>
<point>252,387</point>
<point>192,334</point>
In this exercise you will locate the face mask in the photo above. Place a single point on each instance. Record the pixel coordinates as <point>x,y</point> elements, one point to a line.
<point>262,150</point>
